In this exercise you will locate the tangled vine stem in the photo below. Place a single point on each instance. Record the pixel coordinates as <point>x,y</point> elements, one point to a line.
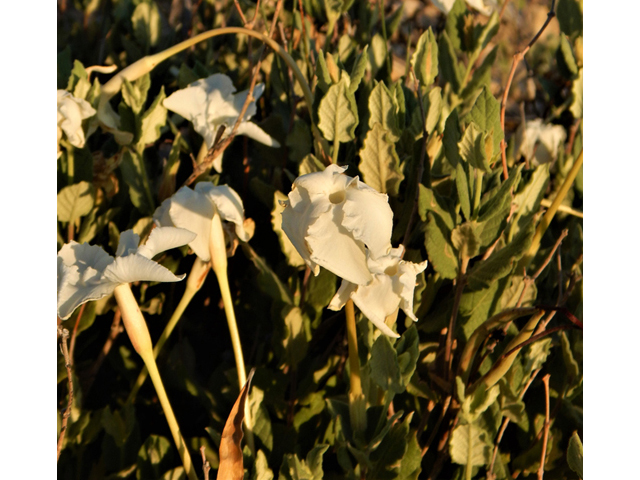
<point>64,336</point>
<point>517,58</point>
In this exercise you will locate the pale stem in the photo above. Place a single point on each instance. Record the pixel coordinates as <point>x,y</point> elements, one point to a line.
<point>478,192</point>
<point>138,332</point>
<point>218,250</point>
<point>194,282</point>
<point>357,405</point>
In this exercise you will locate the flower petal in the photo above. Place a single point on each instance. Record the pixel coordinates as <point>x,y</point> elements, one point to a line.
<point>342,295</point>
<point>72,295</point>
<point>252,130</point>
<point>331,247</point>
<point>165,238</point>
<point>407,272</point>
<point>128,243</point>
<point>228,203</point>
<point>134,268</point>
<point>84,256</point>
<point>193,211</point>
<point>368,216</point>
<point>190,103</point>
<point>377,301</point>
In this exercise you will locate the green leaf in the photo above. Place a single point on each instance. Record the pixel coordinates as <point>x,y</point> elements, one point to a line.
<point>385,371</point>
<point>387,458</point>
<point>493,214</point>
<point>146,24</point>
<point>93,224</point>
<point>425,59</point>
<point>293,257</point>
<point>527,201</point>
<point>488,31</point>
<point>463,186</point>
<point>382,110</point>
<point>482,75</point>
<point>452,135</point>
<point>575,454</point>
<point>377,54</point>
<point>464,238</point>
<point>442,255</point>
<point>295,341</point>
<point>267,279</point>
<point>408,351</point>
<point>566,60</point>
<point>338,113</point>
<point>573,370</point>
<point>154,457</point>
<point>469,446</point>
<point>293,468</point>
<point>379,163</point>
<point>476,147</point>
<point>448,63</point>
<point>501,262</point>
<point>474,405</point>
<point>78,74</point>
<point>262,470</point>
<point>476,306</point>
<point>454,25</point>
<point>135,93</point>
<point>310,164</point>
<point>314,460</point>
<point>298,141</point>
<point>152,121</point>
<point>569,17</point>
<point>486,114</point>
<point>410,468</point>
<point>322,74</point>
<point>135,176</point>
<point>358,69</point>
<point>430,201</point>
<point>576,93</point>
<point>75,201</point>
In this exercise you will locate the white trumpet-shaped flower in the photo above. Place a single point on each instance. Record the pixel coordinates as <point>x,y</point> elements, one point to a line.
<point>86,272</point>
<point>392,287</point>
<point>194,209</point>
<point>71,112</point>
<point>330,218</point>
<point>211,103</point>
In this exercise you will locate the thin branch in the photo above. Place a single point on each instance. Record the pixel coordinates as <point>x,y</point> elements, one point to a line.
<point>545,438</point>
<point>434,432</point>
<point>64,335</point>
<point>72,344</point>
<point>205,463</point>
<point>517,58</point>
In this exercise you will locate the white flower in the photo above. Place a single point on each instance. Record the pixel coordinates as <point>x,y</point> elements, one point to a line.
<point>71,112</point>
<point>392,287</point>
<point>540,143</point>
<point>210,103</point>
<point>486,7</point>
<point>86,272</point>
<point>330,218</point>
<point>194,209</point>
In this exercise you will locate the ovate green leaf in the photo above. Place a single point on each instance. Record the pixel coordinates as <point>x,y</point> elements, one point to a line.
<point>338,113</point>
<point>382,110</point>
<point>442,255</point>
<point>469,446</point>
<point>425,59</point>
<point>575,454</point>
<point>152,121</point>
<point>379,162</point>
<point>486,114</point>
<point>75,201</point>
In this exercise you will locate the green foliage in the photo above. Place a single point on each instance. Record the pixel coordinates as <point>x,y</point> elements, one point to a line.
<point>452,205</point>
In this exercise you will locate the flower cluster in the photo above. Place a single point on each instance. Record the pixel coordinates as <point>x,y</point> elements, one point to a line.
<point>340,223</point>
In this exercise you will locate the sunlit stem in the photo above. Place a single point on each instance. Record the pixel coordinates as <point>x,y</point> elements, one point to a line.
<point>550,213</point>
<point>357,402</point>
<point>70,161</point>
<point>218,250</point>
<point>138,332</point>
<point>194,281</point>
<point>336,149</point>
<point>148,63</point>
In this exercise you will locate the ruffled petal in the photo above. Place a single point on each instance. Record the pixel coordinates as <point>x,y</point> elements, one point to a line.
<point>193,211</point>
<point>128,243</point>
<point>84,256</point>
<point>190,103</point>
<point>377,301</point>
<point>72,293</point>
<point>342,295</point>
<point>165,238</point>
<point>407,273</point>
<point>161,217</point>
<point>228,203</point>
<point>135,268</point>
<point>368,216</point>
<point>332,247</point>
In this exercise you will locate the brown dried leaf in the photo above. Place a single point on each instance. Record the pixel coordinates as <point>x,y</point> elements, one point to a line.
<point>231,465</point>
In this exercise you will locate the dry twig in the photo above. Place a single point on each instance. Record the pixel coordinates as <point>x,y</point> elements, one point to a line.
<point>545,438</point>
<point>64,336</point>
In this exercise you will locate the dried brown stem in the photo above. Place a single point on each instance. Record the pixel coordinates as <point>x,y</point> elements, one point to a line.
<point>517,58</point>
<point>219,147</point>
<point>545,438</point>
<point>72,343</point>
<point>434,432</point>
<point>460,283</point>
<point>205,463</point>
<point>64,336</point>
<point>504,6</point>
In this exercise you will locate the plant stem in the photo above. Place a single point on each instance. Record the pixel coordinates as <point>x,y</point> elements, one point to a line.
<point>217,248</point>
<point>194,282</point>
<point>478,192</point>
<point>138,332</point>
<point>357,403</point>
